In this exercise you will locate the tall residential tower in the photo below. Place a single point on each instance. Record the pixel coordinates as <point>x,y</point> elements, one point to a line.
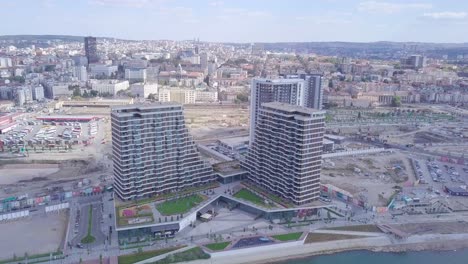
<point>285,156</point>
<point>313,91</point>
<point>153,152</point>
<point>289,91</point>
<point>90,44</point>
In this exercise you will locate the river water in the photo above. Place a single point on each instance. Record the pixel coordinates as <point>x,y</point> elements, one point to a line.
<point>368,257</point>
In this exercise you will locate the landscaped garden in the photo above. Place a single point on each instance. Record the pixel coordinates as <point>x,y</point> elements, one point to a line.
<point>288,237</point>
<point>168,196</point>
<point>269,195</point>
<point>218,246</point>
<point>185,256</point>
<point>179,205</point>
<point>357,228</point>
<point>135,215</point>
<point>250,196</point>
<point>322,237</point>
<point>140,256</point>
<point>89,237</point>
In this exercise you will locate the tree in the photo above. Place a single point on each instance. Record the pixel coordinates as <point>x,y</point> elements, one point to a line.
<point>49,68</point>
<point>396,101</point>
<point>93,93</point>
<point>76,92</point>
<point>243,98</point>
<point>151,96</point>
<point>19,79</point>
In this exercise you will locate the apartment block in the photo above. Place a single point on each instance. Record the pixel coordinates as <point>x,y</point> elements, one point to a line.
<point>285,156</point>
<point>153,152</point>
<point>288,91</point>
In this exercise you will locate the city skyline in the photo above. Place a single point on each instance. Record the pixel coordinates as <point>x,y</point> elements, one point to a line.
<point>322,20</point>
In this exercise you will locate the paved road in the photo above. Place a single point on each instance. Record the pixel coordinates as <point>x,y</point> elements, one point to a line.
<point>95,224</point>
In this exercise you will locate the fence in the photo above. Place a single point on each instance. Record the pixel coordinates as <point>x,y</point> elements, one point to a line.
<point>13,216</point>
<point>353,152</point>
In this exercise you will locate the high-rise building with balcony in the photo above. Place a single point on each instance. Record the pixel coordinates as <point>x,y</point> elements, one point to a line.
<point>313,92</point>
<point>288,91</point>
<point>153,152</point>
<point>285,156</point>
<point>90,44</point>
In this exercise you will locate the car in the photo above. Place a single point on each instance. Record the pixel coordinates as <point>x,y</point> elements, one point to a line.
<point>79,245</point>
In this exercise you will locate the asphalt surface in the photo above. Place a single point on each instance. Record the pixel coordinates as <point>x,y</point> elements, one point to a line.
<point>83,222</point>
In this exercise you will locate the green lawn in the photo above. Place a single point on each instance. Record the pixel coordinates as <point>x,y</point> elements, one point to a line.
<point>89,238</point>
<point>179,206</point>
<point>357,228</point>
<point>246,194</point>
<point>168,195</point>
<point>288,237</point>
<point>133,258</point>
<point>32,258</point>
<point>271,196</point>
<point>218,246</point>
<point>185,256</point>
<point>322,237</point>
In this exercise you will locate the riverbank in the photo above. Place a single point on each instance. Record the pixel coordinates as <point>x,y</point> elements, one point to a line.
<point>369,257</point>
<point>293,250</point>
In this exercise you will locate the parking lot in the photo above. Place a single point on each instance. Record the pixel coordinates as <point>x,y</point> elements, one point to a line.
<point>40,134</point>
<point>438,174</point>
<point>447,173</point>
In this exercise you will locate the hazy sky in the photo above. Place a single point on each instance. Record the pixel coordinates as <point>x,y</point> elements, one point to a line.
<point>242,20</point>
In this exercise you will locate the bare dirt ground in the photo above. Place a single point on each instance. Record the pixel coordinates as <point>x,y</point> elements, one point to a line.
<point>373,177</point>
<point>435,228</point>
<point>18,179</point>
<point>34,235</point>
<point>14,173</point>
<point>216,121</point>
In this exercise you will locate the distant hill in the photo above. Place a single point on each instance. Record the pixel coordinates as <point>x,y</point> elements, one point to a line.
<point>65,38</point>
<point>41,37</point>
<point>41,41</point>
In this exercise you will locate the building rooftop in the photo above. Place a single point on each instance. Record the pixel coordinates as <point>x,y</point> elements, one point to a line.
<point>152,105</point>
<point>234,141</point>
<point>67,117</point>
<point>289,108</point>
<point>278,81</point>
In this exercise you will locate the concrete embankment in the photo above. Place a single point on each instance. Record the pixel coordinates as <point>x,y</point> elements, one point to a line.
<point>279,252</point>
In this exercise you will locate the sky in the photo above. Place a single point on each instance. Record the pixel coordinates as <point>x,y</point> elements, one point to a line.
<point>441,21</point>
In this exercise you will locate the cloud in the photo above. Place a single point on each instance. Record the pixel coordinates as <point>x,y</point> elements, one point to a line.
<point>390,8</point>
<point>446,15</point>
<point>216,3</point>
<point>178,11</point>
<point>328,18</point>
<point>126,3</point>
<point>237,13</point>
<point>258,14</point>
<point>324,20</point>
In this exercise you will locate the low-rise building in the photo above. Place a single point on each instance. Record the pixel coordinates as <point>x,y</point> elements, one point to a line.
<point>143,90</point>
<point>38,92</point>
<point>102,70</point>
<point>135,75</point>
<point>109,86</point>
<point>206,96</point>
